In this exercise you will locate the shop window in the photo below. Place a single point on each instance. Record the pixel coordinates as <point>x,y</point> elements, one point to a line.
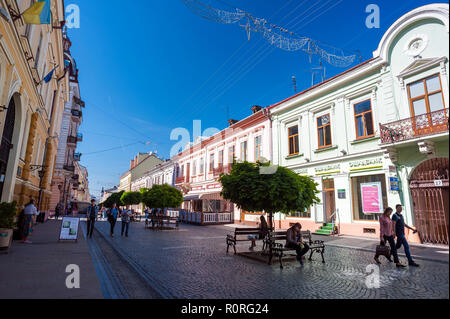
<point>305,214</point>
<point>364,120</point>
<point>357,196</point>
<point>293,140</point>
<point>425,96</point>
<point>324,131</point>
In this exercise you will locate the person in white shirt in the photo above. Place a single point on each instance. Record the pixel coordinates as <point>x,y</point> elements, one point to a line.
<point>29,212</point>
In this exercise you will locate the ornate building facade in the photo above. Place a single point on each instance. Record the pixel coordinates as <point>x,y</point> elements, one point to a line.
<point>30,107</point>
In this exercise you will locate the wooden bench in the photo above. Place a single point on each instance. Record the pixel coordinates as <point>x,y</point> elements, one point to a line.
<point>240,235</point>
<point>279,249</point>
<point>158,222</point>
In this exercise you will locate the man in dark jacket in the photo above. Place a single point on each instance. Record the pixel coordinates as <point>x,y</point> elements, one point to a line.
<point>294,241</point>
<point>92,213</point>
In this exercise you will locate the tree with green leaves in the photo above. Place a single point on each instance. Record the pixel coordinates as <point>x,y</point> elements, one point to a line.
<point>261,187</point>
<point>163,196</point>
<point>131,198</point>
<point>114,198</point>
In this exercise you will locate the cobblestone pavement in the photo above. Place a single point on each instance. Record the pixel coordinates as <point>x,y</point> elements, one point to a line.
<point>192,263</point>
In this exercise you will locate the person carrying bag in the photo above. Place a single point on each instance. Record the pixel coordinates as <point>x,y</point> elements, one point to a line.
<point>387,235</point>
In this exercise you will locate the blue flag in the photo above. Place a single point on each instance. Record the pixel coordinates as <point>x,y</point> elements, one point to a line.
<point>49,76</point>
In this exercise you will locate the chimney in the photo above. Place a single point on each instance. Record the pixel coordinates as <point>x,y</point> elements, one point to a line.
<point>232,122</point>
<point>131,164</point>
<point>256,108</point>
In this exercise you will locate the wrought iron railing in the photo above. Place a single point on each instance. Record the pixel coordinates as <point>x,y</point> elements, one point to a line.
<point>422,125</point>
<point>72,139</point>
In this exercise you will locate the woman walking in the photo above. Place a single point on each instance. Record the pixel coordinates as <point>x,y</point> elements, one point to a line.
<point>29,212</point>
<point>387,235</point>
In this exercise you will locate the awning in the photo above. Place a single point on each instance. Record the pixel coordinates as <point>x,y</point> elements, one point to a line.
<point>212,196</point>
<point>191,197</point>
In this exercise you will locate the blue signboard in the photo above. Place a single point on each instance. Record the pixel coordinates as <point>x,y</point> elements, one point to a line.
<point>394,184</point>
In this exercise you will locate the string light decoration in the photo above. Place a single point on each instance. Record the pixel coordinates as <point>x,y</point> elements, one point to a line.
<point>275,35</point>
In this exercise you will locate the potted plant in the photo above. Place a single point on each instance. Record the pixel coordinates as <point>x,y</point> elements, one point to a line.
<point>7,216</point>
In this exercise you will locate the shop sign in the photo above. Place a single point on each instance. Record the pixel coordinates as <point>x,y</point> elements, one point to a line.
<point>372,198</point>
<point>334,168</point>
<point>69,229</point>
<point>303,172</point>
<point>394,184</point>
<point>366,164</point>
<point>342,194</point>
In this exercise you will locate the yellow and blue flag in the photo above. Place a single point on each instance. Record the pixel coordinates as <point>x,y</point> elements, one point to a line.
<point>38,13</point>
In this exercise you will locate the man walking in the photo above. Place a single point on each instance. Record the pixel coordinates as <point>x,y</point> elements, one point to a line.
<point>126,219</point>
<point>58,211</point>
<point>294,240</point>
<point>399,226</point>
<point>113,213</point>
<point>92,213</point>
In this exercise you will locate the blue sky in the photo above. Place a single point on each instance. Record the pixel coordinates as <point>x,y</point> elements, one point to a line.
<point>148,67</point>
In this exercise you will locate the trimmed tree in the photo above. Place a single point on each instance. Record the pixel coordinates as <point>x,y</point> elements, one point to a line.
<point>131,198</point>
<point>253,189</point>
<point>163,196</point>
<point>114,199</point>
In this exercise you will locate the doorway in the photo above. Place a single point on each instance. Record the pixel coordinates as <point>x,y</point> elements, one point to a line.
<point>6,142</point>
<point>329,199</point>
<point>430,193</point>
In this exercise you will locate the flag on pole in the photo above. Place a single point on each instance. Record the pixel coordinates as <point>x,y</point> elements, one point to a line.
<point>38,13</point>
<point>49,76</point>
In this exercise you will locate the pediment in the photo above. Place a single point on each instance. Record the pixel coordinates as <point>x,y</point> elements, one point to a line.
<point>420,65</point>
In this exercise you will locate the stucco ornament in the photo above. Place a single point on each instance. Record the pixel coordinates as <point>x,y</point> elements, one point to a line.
<point>416,45</point>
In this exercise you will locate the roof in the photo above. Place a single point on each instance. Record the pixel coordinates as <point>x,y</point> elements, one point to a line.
<point>322,83</point>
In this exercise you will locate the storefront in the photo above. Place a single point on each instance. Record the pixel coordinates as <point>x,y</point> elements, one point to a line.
<point>353,193</point>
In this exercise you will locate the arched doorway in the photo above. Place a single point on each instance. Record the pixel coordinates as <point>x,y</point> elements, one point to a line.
<point>6,142</point>
<point>430,190</point>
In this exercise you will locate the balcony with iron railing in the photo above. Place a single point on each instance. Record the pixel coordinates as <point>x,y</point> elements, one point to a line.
<point>76,115</point>
<point>72,140</point>
<point>77,157</point>
<point>69,168</point>
<point>415,127</point>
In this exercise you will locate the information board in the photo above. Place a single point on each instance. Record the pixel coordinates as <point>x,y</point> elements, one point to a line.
<point>69,228</point>
<point>372,198</point>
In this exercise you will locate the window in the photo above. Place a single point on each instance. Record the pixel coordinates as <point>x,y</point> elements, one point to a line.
<point>194,168</point>
<point>231,154</point>
<point>305,214</point>
<point>258,148</point>
<point>38,52</point>
<point>324,131</point>
<point>202,166</point>
<point>425,96</point>
<point>244,154</point>
<point>293,140</point>
<point>364,119</point>
<point>182,171</point>
<point>220,159</point>
<point>358,213</point>
<point>211,163</point>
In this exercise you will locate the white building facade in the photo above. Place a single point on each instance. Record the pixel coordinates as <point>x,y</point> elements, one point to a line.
<point>332,133</point>
<point>200,165</point>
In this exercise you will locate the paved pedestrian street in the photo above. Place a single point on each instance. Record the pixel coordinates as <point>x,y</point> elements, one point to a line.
<point>192,263</point>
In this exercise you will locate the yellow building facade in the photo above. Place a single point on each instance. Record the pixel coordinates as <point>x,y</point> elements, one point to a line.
<point>30,108</point>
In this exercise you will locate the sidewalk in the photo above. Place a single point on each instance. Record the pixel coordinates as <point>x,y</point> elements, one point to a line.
<point>424,252</point>
<point>38,271</point>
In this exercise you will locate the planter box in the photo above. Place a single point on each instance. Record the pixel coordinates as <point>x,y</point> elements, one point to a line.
<point>5,238</point>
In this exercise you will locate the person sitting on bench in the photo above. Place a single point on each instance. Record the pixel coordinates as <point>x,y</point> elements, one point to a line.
<point>294,241</point>
<point>264,228</point>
